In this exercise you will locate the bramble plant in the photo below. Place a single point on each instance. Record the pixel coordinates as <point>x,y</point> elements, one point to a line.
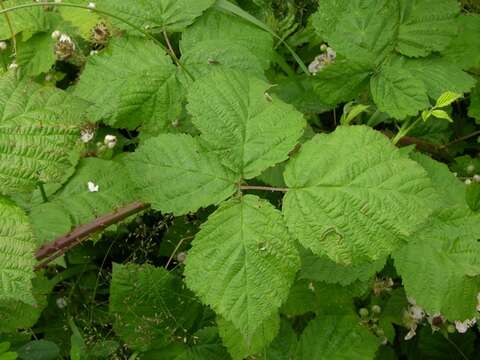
<point>251,179</point>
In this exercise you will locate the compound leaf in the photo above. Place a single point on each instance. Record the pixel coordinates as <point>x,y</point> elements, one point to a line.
<point>31,19</point>
<point>245,126</point>
<point>335,337</point>
<point>36,55</point>
<point>341,81</point>
<point>149,305</point>
<point>446,277</point>
<point>426,27</point>
<point>17,249</point>
<point>220,29</point>
<point>156,15</point>
<point>175,175</point>
<point>74,204</point>
<point>398,93</point>
<point>239,347</point>
<point>353,197</point>
<point>131,83</point>
<point>247,276</point>
<point>39,134</point>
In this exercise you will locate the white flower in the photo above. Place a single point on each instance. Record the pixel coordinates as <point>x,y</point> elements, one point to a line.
<point>56,34</point>
<point>91,5</point>
<point>65,38</point>
<point>110,141</point>
<point>476,178</point>
<point>86,135</point>
<point>92,187</point>
<point>416,312</point>
<point>3,45</point>
<point>322,60</point>
<point>13,65</point>
<point>61,302</point>
<point>93,52</point>
<point>463,326</point>
<point>470,168</point>
<point>468,182</point>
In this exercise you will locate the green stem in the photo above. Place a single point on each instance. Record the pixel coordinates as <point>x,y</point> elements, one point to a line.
<point>407,126</point>
<point>10,27</point>
<point>42,192</point>
<point>103,12</point>
<point>264,188</point>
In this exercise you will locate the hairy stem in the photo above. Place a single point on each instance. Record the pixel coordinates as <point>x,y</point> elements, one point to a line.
<point>174,56</point>
<point>407,126</point>
<point>58,247</point>
<point>460,139</point>
<point>265,188</point>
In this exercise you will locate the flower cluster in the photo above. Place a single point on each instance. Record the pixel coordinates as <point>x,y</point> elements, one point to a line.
<point>327,57</point>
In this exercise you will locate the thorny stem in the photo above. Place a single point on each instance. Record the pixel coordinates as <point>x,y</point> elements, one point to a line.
<point>9,23</point>
<point>460,139</point>
<point>139,29</point>
<point>58,247</point>
<point>266,188</point>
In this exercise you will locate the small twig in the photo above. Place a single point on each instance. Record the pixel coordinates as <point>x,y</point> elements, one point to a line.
<point>460,139</point>
<point>58,247</point>
<point>266,188</point>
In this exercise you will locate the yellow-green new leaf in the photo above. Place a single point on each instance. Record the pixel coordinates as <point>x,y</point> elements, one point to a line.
<point>447,98</point>
<point>176,175</point>
<point>249,129</point>
<point>17,249</point>
<point>353,196</point>
<point>243,262</point>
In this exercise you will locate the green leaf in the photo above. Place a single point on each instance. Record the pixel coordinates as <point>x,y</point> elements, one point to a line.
<point>247,276</point>
<point>474,108</point>
<point>321,268</point>
<point>248,129</point>
<point>81,19</point>
<point>156,15</point>
<point>327,17</point>
<point>131,83</point>
<point>283,346</point>
<point>447,98</point>
<point>335,337</point>
<point>39,134</point>
<point>15,315</point>
<point>239,347</point>
<point>353,197</point>
<point>217,30</point>
<point>426,27</point>
<point>465,49</point>
<point>182,177</point>
<point>398,93</point>
<point>441,114</point>
<point>77,342</point>
<point>341,81</point>
<point>16,254</point>
<point>74,204</point>
<point>36,55</point>
<point>439,76</point>
<point>30,19</point>
<point>451,189</point>
<point>149,306</point>
<point>365,30</point>
<point>473,196</point>
<point>301,299</point>
<point>350,113</point>
<point>446,278</point>
<point>39,350</point>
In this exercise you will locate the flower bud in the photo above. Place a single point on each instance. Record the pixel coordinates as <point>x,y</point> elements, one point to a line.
<point>110,141</point>
<point>56,34</point>
<point>363,312</point>
<point>3,45</point>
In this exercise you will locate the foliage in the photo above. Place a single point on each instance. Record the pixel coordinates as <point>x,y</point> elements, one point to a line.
<point>307,175</point>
